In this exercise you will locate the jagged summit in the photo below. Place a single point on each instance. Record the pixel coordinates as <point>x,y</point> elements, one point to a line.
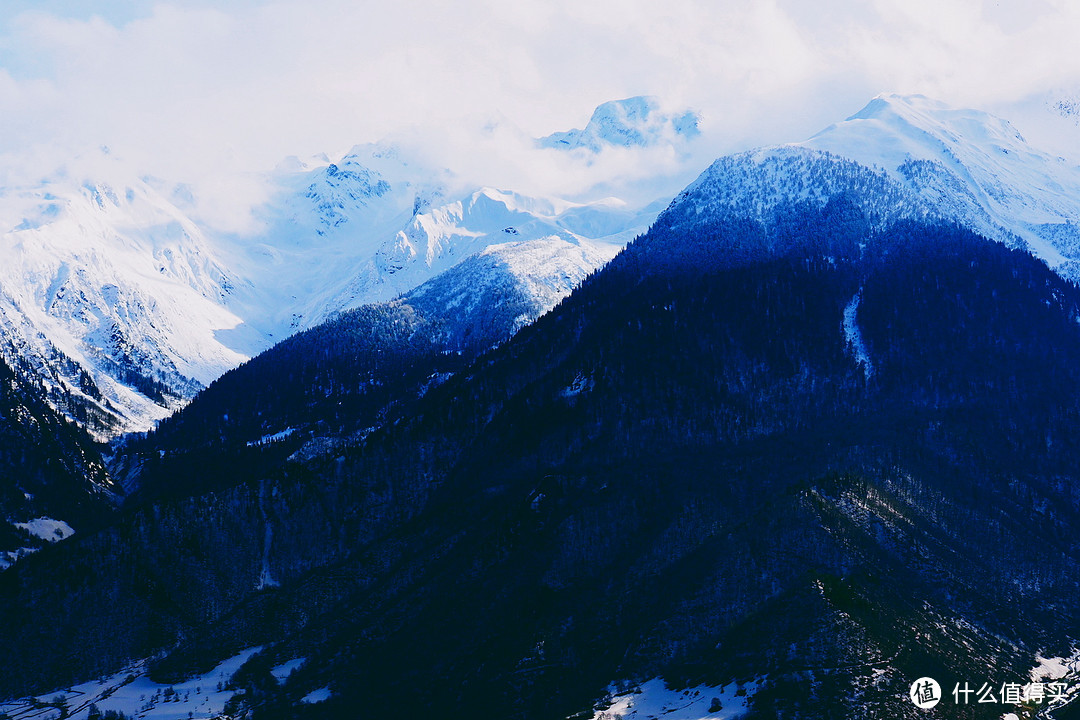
<point>637,121</point>
<point>128,304</point>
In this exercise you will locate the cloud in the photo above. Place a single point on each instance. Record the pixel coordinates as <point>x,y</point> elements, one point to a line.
<point>200,90</point>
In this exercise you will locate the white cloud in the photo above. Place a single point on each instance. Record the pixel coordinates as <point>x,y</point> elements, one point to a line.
<point>201,90</point>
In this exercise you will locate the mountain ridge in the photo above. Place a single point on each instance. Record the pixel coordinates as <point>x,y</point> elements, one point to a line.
<point>970,166</point>
<point>169,308</point>
<point>116,276</point>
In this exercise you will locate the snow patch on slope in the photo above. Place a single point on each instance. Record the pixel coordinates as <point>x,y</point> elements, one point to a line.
<point>653,699</point>
<point>10,557</point>
<point>1064,672</point>
<point>853,336</point>
<point>316,696</point>
<point>282,672</point>
<point>1052,668</point>
<point>42,528</point>
<point>47,529</point>
<point>131,692</point>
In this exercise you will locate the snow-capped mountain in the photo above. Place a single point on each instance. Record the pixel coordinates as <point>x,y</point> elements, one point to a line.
<point>372,227</point>
<point>127,305</point>
<point>637,121</point>
<point>114,295</point>
<point>768,443</point>
<point>903,158</point>
<point>971,167</point>
<point>713,434</point>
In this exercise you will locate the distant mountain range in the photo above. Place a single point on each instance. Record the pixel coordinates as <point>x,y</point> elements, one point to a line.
<point>127,306</point>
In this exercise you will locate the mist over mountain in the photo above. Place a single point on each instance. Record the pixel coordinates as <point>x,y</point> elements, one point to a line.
<point>129,301</point>
<point>637,121</point>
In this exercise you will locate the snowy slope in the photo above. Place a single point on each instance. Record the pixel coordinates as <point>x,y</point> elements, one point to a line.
<point>969,166</point>
<point>126,306</point>
<point>134,694</point>
<point>317,228</point>
<point>105,286</point>
<point>754,184</point>
<point>905,158</point>
<point>654,699</point>
<point>1049,120</point>
<point>436,240</point>
<point>345,234</point>
<point>507,286</point>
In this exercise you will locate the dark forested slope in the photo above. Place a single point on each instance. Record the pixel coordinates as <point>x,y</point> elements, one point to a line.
<point>49,470</point>
<point>841,463</point>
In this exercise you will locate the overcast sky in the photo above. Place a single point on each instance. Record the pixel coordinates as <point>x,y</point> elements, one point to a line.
<point>192,88</point>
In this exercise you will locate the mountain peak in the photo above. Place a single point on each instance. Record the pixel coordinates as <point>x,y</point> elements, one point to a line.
<point>914,115</point>
<point>885,103</point>
<point>920,157</point>
<point>637,121</point>
<point>970,165</point>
